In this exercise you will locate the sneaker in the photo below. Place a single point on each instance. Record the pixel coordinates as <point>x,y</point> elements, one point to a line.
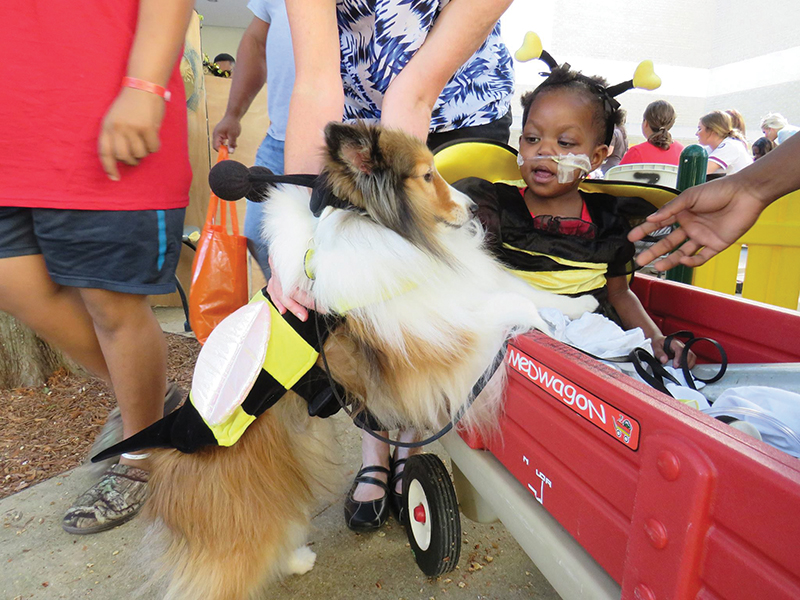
<point>111,433</point>
<point>112,501</point>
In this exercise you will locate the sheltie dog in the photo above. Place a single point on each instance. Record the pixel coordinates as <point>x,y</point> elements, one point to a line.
<point>426,310</point>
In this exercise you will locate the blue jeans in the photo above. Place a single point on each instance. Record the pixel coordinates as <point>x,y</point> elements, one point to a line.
<point>269,155</point>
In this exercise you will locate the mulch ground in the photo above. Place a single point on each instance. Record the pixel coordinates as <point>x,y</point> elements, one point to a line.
<point>48,430</point>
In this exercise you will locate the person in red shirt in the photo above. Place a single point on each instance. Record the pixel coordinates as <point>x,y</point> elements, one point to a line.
<point>94,181</point>
<point>660,149</point>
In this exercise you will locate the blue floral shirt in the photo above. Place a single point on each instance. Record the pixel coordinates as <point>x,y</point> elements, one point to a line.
<point>379,37</point>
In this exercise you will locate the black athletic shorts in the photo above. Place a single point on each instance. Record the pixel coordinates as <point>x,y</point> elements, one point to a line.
<point>130,251</point>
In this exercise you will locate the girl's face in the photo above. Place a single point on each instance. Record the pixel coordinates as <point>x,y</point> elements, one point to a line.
<point>705,136</point>
<point>559,122</point>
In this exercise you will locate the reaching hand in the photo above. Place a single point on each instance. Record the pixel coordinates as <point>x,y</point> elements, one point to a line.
<point>226,132</point>
<point>130,129</point>
<point>711,216</point>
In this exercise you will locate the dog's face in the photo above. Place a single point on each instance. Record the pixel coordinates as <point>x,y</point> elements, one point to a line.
<point>392,177</point>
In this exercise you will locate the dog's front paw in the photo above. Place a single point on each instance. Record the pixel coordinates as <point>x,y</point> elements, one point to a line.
<point>301,561</point>
<point>574,308</point>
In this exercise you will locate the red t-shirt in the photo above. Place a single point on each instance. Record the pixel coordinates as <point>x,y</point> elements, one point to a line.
<point>63,65</point>
<point>647,153</point>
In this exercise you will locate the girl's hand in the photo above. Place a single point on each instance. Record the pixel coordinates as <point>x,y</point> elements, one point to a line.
<point>677,348</point>
<point>130,129</point>
<point>297,301</point>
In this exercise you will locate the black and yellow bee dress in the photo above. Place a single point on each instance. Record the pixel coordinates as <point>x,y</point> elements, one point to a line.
<point>561,255</point>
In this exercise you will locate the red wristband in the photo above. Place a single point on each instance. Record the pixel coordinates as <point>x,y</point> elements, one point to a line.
<point>146,86</point>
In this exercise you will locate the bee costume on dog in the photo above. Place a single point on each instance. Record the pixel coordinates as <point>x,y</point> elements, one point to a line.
<point>255,355</point>
<point>250,360</point>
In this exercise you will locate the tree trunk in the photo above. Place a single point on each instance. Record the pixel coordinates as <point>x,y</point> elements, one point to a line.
<point>25,359</point>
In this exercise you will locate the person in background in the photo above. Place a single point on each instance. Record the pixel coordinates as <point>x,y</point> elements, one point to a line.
<point>618,148</point>
<point>84,239</point>
<point>737,121</point>
<point>776,128</point>
<point>660,149</point>
<point>435,69</point>
<point>712,216</point>
<point>225,62</point>
<point>264,55</point>
<point>728,150</point>
<point>761,146</point>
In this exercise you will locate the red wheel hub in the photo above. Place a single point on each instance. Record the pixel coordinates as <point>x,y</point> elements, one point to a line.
<point>419,514</point>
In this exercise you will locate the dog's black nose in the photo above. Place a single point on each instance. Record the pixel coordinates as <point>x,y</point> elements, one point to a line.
<point>473,208</point>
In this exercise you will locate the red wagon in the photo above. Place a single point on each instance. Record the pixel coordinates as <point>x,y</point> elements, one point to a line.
<point>616,490</point>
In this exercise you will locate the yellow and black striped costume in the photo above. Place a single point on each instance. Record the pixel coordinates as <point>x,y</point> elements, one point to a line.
<point>539,253</point>
<point>290,364</point>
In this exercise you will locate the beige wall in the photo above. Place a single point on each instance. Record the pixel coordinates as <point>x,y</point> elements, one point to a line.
<point>217,40</point>
<point>710,54</point>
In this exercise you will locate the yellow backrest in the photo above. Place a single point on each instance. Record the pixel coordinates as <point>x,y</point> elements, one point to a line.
<point>772,272</point>
<point>493,161</point>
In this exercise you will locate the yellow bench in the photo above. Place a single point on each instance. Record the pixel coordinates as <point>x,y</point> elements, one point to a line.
<point>772,273</point>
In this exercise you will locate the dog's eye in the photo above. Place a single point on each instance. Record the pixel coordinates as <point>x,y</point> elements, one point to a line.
<point>428,177</point>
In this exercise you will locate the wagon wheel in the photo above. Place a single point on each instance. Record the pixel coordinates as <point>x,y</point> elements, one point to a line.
<point>434,524</point>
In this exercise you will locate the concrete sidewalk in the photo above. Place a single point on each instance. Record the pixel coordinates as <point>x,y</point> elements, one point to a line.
<point>40,561</point>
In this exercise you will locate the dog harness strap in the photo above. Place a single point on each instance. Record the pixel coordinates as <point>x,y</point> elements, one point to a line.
<point>362,422</point>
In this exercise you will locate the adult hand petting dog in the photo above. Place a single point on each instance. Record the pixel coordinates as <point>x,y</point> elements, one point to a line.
<point>296,301</point>
<point>712,216</point>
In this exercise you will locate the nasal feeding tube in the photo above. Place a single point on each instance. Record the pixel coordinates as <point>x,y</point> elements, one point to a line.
<point>570,166</point>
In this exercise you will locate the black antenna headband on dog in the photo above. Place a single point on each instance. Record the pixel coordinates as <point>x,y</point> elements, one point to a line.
<point>644,77</point>
<point>231,180</point>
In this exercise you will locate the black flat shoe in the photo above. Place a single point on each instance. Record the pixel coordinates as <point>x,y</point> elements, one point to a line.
<point>369,515</point>
<point>396,498</point>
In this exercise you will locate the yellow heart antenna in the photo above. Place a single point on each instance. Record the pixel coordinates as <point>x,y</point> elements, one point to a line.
<point>531,49</point>
<point>644,78</point>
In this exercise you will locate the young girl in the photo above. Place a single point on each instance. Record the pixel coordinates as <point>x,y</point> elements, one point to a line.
<point>728,148</point>
<point>552,234</point>
<point>659,117</point>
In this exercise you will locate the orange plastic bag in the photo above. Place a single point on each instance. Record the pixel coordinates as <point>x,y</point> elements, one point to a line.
<point>219,270</point>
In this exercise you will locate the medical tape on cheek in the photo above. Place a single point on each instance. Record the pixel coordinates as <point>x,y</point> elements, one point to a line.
<point>570,165</point>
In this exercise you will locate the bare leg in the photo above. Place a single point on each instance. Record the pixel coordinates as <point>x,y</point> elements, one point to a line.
<point>373,453</point>
<point>407,436</point>
<point>136,353</point>
<point>54,312</point>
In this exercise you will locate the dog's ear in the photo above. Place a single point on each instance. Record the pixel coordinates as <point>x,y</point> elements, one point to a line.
<point>356,146</point>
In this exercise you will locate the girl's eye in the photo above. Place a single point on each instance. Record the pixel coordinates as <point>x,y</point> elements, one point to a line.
<point>565,143</point>
<point>531,139</point>
<point>428,177</point>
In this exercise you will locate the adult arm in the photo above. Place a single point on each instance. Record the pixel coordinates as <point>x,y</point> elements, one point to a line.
<point>317,99</point>
<point>712,216</point>
<point>317,96</point>
<point>129,130</point>
<point>459,31</point>
<point>248,79</point>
